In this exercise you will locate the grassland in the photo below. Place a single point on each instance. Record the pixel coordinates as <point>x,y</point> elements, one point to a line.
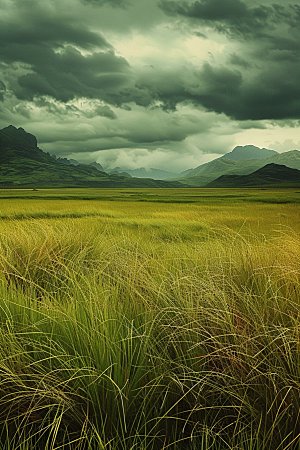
<point>151,319</point>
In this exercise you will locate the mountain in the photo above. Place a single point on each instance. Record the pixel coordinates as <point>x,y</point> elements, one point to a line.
<point>248,152</point>
<point>74,162</point>
<point>67,162</point>
<point>118,171</point>
<point>97,166</point>
<point>270,174</point>
<point>16,143</point>
<point>204,174</point>
<point>142,172</point>
<point>23,164</point>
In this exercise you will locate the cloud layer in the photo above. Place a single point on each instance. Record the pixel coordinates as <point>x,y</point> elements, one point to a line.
<point>118,74</point>
<point>261,84</point>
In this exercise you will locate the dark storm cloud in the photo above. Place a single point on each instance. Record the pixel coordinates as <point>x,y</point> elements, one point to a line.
<point>113,3</point>
<point>48,49</point>
<point>2,90</point>
<point>105,111</point>
<point>70,74</point>
<point>273,94</point>
<point>67,73</point>
<point>233,17</point>
<point>53,31</point>
<point>210,87</point>
<point>62,58</point>
<point>237,60</point>
<point>206,9</point>
<point>266,85</point>
<point>269,95</point>
<point>46,44</point>
<point>199,34</point>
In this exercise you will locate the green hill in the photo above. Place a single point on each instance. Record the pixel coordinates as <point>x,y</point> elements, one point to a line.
<point>249,152</point>
<point>271,174</point>
<point>23,164</point>
<point>204,174</point>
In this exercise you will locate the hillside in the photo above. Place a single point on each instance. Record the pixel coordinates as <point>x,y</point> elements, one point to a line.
<point>23,164</point>
<point>271,174</point>
<point>249,152</point>
<point>204,174</point>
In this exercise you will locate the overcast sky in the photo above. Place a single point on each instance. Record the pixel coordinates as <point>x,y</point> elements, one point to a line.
<point>168,84</point>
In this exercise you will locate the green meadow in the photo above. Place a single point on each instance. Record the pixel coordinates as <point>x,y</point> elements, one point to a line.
<point>150,319</point>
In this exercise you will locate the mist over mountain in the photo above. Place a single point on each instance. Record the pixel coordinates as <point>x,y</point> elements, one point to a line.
<point>23,164</point>
<point>118,171</point>
<point>142,172</point>
<point>97,166</point>
<point>247,152</point>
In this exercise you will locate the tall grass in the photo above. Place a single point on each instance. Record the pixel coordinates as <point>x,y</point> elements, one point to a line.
<point>118,333</point>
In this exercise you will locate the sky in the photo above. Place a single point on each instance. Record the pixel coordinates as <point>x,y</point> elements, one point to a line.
<point>168,84</point>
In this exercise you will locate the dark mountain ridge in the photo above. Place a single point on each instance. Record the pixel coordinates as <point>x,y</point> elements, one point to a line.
<point>16,142</point>
<point>270,174</point>
<point>23,164</point>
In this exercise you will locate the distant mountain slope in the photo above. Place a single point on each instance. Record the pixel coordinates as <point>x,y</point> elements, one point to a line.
<point>118,171</point>
<point>142,172</point>
<point>249,152</point>
<point>97,166</point>
<point>23,164</point>
<point>290,159</point>
<point>270,174</point>
<point>210,171</point>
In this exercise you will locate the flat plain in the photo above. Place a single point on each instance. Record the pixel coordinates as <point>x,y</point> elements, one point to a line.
<point>163,318</point>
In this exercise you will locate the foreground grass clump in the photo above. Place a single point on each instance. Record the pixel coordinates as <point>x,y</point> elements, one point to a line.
<point>148,334</point>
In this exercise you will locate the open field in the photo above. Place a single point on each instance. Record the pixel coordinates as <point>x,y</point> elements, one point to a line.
<point>150,319</point>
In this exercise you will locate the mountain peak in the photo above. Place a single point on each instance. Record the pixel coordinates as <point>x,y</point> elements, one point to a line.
<point>17,136</point>
<point>248,152</point>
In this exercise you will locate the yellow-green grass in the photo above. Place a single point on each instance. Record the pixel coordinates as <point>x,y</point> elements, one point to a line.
<point>150,324</point>
<point>255,210</point>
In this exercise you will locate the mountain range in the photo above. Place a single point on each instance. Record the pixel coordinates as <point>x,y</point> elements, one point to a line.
<point>142,172</point>
<point>23,164</point>
<point>241,161</point>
